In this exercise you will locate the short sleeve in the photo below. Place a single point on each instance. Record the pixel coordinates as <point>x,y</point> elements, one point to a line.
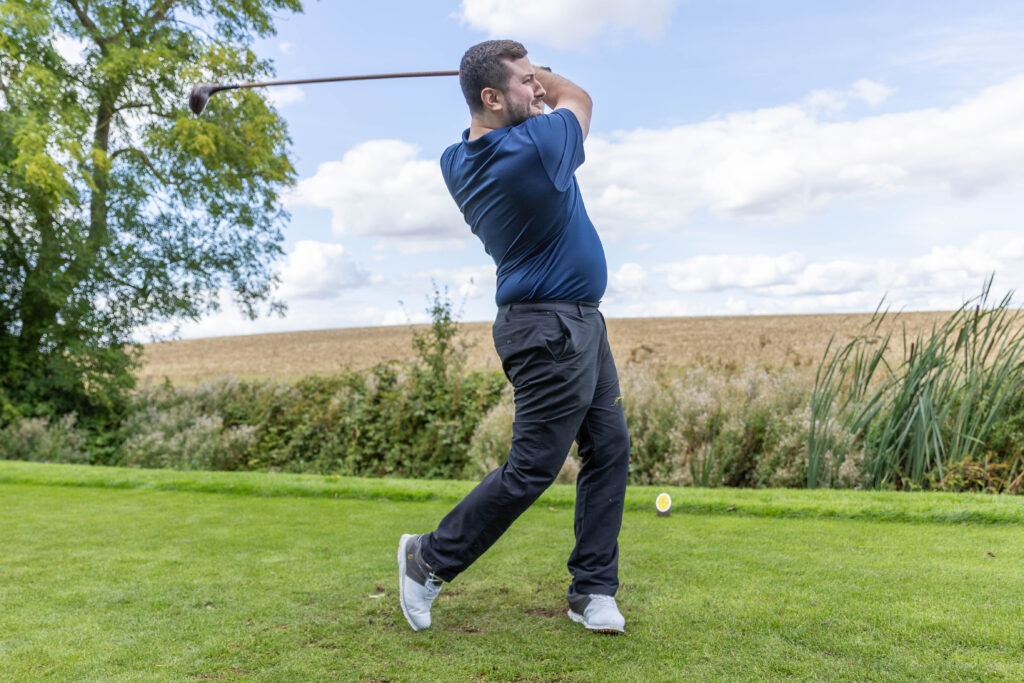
<point>559,140</point>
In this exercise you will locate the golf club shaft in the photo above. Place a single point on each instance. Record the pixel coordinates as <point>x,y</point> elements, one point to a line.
<point>335,79</point>
<point>201,94</point>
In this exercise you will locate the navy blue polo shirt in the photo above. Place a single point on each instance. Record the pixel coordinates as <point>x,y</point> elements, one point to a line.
<point>517,189</point>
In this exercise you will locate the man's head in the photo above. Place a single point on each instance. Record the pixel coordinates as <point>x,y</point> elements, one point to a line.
<point>496,76</point>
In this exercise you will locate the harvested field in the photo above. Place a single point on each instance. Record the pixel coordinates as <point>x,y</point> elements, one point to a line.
<point>729,342</point>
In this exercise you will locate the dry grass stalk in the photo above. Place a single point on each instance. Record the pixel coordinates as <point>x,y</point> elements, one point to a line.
<point>725,342</point>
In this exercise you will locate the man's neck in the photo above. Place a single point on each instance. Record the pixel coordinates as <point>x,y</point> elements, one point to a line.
<point>477,131</point>
<point>480,126</point>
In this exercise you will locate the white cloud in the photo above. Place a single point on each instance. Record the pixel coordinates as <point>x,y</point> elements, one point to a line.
<point>566,23</point>
<point>830,278</point>
<point>286,48</point>
<point>475,283</point>
<point>826,101</point>
<point>871,92</point>
<point>774,165</point>
<point>469,283</point>
<point>1009,245</point>
<point>987,45</point>
<point>709,273</point>
<point>960,270</point>
<point>318,270</point>
<point>283,96</point>
<point>630,277</point>
<point>394,317</point>
<point>941,278</point>
<point>785,162</point>
<point>382,189</point>
<point>658,308</point>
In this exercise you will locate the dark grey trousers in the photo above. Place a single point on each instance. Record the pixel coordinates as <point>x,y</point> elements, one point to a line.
<point>556,356</point>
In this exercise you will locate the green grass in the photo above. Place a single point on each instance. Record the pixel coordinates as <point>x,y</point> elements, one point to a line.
<point>126,575</point>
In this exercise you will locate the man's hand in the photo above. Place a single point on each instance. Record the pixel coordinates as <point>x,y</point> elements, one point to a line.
<point>561,93</point>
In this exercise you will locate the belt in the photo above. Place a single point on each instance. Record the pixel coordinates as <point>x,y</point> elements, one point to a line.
<point>548,307</point>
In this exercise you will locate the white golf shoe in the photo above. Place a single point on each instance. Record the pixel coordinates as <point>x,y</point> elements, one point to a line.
<point>597,613</point>
<point>417,585</point>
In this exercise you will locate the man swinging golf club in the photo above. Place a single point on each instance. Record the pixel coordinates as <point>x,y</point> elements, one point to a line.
<point>512,176</point>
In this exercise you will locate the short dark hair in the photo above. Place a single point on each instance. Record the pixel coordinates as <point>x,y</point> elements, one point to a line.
<point>483,66</point>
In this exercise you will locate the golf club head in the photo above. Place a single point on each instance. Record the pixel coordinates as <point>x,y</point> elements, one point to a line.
<point>200,96</point>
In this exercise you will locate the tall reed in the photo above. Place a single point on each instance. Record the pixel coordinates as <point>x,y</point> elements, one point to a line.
<point>932,410</point>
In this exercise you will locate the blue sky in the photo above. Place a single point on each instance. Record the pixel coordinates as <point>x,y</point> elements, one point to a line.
<point>744,158</point>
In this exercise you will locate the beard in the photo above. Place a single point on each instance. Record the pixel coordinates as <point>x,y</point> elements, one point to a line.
<point>519,112</point>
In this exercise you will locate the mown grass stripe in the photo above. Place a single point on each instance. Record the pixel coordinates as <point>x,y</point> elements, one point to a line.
<point>885,506</point>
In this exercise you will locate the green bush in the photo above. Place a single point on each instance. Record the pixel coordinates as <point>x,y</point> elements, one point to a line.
<point>698,427</point>
<point>295,426</point>
<point>179,435</point>
<point>9,412</point>
<point>492,441</point>
<point>711,428</point>
<point>234,425</point>
<point>492,438</point>
<point>949,416</point>
<point>414,419</point>
<point>384,422</point>
<point>40,439</point>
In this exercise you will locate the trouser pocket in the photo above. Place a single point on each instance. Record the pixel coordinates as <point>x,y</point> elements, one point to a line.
<point>564,344</point>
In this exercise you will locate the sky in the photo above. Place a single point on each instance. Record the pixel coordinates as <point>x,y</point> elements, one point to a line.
<point>744,157</point>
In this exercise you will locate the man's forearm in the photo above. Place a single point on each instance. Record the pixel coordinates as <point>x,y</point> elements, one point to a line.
<point>561,93</point>
<point>559,88</point>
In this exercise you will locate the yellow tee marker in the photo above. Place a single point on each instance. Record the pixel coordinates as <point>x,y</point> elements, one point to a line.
<point>663,504</point>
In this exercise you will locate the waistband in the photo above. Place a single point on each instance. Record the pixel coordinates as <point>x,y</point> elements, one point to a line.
<point>580,307</point>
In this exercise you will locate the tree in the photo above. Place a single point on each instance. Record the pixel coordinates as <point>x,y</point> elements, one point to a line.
<point>118,208</point>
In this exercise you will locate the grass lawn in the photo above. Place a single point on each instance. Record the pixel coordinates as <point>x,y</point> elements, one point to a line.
<point>125,575</point>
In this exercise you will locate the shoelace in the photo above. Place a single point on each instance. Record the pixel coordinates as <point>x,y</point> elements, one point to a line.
<point>432,586</point>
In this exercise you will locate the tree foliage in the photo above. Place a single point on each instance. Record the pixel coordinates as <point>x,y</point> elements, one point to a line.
<point>118,208</point>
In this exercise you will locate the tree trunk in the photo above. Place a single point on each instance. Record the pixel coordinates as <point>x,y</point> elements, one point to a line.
<point>51,281</point>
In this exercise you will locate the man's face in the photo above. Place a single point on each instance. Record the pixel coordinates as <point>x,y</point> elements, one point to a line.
<point>524,96</point>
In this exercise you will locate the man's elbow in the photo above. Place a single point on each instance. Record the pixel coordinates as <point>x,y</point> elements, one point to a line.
<point>586,102</point>
<point>580,102</point>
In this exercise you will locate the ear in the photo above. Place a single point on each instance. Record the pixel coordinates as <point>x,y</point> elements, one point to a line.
<point>493,100</point>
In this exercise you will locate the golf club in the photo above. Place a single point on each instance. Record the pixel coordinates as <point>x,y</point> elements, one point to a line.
<point>201,93</point>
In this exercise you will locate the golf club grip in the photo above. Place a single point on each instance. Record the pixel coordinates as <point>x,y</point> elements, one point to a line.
<point>336,79</point>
